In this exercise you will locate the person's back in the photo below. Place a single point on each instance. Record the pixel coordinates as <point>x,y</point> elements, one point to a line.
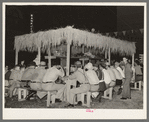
<point>78,75</point>
<point>39,74</point>
<point>117,73</point>
<point>92,76</point>
<point>27,75</point>
<point>112,74</point>
<point>52,74</point>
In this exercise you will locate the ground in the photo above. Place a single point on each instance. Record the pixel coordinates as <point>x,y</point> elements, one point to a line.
<point>136,102</point>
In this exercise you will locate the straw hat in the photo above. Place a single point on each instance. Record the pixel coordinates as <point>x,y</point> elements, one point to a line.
<point>77,63</point>
<point>89,66</point>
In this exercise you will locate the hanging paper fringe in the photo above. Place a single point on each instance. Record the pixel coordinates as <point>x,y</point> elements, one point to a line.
<point>31,42</point>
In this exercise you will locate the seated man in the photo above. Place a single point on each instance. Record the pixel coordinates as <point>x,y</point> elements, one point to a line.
<point>27,74</point>
<point>96,84</point>
<point>112,74</point>
<point>106,76</point>
<point>14,80</point>
<point>79,76</point>
<point>48,84</point>
<point>119,78</point>
<point>36,80</point>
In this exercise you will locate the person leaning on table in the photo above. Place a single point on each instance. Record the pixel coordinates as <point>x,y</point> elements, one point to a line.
<point>51,75</point>
<point>79,76</point>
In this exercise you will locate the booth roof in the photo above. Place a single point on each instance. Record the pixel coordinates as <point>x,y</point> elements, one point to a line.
<point>43,39</point>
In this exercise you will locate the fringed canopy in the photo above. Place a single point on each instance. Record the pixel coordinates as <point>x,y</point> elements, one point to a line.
<point>44,39</point>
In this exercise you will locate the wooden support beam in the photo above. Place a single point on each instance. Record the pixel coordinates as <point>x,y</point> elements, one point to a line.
<point>16,57</point>
<point>83,62</point>
<point>39,54</point>
<point>133,60</point>
<point>106,54</point>
<point>109,56</point>
<point>68,59</point>
<point>49,58</point>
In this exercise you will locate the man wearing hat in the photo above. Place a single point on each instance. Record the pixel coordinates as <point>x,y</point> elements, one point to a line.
<point>84,87</point>
<point>36,80</point>
<point>96,84</point>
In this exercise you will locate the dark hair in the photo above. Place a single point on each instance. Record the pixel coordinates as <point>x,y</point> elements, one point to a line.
<point>21,67</point>
<point>113,63</point>
<point>16,66</point>
<point>103,65</point>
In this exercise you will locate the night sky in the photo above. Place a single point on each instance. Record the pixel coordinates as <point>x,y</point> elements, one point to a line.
<point>102,18</point>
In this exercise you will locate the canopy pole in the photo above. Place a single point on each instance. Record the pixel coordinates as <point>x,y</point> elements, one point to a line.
<point>109,56</point>
<point>49,58</point>
<point>39,54</point>
<point>83,52</point>
<point>16,57</point>
<point>133,60</point>
<point>68,59</point>
<point>106,54</point>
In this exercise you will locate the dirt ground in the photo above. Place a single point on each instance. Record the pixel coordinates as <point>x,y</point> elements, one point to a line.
<point>136,102</point>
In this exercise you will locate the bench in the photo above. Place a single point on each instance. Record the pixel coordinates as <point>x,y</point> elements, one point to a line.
<point>137,87</point>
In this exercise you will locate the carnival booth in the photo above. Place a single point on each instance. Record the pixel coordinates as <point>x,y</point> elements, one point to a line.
<point>66,43</point>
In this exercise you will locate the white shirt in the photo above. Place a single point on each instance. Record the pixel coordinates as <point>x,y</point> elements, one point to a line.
<point>52,74</point>
<point>92,77</point>
<point>117,74</point>
<point>121,71</point>
<point>112,74</point>
<point>107,78</point>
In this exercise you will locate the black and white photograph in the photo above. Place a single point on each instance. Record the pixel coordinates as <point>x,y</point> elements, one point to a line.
<point>74,60</point>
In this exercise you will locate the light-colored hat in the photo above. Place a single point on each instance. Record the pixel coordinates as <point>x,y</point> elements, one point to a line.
<point>89,66</point>
<point>107,63</point>
<point>77,63</point>
<point>42,63</point>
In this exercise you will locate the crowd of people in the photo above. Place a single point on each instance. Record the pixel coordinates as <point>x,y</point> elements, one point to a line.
<point>92,77</point>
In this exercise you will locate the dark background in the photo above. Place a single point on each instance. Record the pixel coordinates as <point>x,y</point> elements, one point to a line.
<point>104,19</point>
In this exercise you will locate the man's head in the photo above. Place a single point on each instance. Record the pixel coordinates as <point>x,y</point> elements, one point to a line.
<point>17,67</point>
<point>78,64</point>
<point>22,68</point>
<point>22,62</point>
<point>42,64</point>
<point>88,66</point>
<point>117,64</point>
<point>102,66</point>
<point>32,64</point>
<point>107,65</point>
<point>125,60</point>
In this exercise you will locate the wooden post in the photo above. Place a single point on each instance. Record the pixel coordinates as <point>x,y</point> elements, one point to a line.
<point>49,58</point>
<point>109,56</point>
<point>68,59</point>
<point>83,52</point>
<point>39,54</point>
<point>106,54</point>
<point>133,60</point>
<point>16,57</point>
